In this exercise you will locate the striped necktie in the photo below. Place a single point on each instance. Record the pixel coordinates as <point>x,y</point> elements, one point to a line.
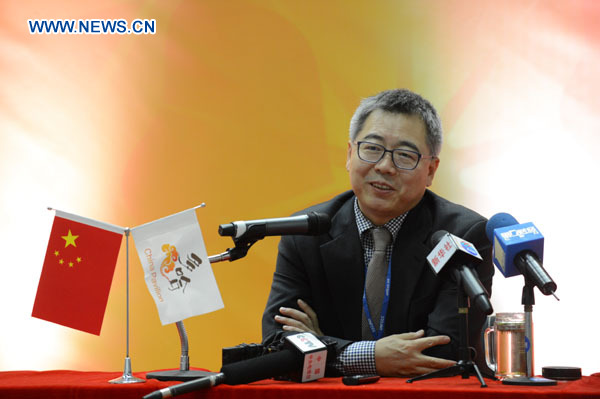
<point>375,281</point>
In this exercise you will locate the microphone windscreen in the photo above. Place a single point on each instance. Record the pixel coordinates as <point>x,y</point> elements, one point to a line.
<point>437,237</point>
<point>262,367</point>
<point>318,223</point>
<point>227,230</point>
<point>497,221</point>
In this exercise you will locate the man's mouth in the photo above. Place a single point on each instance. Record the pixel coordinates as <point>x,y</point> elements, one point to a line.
<point>381,186</point>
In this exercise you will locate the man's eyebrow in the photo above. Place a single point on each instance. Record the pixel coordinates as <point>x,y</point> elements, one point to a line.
<point>374,136</point>
<point>410,144</point>
<point>401,143</point>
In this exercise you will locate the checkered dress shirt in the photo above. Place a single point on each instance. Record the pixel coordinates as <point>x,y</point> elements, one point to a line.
<point>359,357</point>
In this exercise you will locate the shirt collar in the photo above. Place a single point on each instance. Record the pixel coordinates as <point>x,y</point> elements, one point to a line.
<point>365,224</point>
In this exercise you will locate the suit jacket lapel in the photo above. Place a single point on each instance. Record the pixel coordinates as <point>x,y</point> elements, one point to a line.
<point>345,270</point>
<point>343,261</point>
<point>408,263</point>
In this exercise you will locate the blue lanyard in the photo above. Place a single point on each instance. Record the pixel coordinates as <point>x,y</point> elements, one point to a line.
<point>378,333</point>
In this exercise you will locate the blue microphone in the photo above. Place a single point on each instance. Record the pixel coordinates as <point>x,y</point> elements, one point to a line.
<point>519,249</point>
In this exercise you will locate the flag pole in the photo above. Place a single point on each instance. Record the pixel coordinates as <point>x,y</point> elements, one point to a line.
<point>127,377</point>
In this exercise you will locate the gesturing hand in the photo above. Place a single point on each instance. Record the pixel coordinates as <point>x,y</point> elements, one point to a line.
<point>400,355</point>
<point>300,321</point>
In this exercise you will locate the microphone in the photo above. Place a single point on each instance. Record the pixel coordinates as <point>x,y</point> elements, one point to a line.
<point>449,248</point>
<point>519,249</point>
<point>312,223</point>
<point>303,357</point>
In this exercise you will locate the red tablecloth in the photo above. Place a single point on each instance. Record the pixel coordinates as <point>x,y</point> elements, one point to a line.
<point>66,384</point>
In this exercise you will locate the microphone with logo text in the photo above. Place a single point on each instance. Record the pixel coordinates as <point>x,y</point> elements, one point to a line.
<point>303,358</point>
<point>519,249</point>
<point>449,248</point>
<point>313,223</point>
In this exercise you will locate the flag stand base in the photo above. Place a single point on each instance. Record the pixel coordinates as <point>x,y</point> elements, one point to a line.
<point>127,377</point>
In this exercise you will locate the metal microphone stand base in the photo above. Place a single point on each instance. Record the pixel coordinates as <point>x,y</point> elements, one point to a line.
<point>184,373</point>
<point>178,375</point>
<point>539,381</point>
<point>464,368</point>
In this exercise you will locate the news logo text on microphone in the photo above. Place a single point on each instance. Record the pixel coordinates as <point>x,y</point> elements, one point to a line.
<point>315,353</point>
<point>510,240</point>
<point>446,248</point>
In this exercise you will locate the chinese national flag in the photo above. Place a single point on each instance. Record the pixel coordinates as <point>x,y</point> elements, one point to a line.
<point>77,273</point>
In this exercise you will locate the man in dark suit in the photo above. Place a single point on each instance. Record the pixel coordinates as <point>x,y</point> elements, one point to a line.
<point>319,282</point>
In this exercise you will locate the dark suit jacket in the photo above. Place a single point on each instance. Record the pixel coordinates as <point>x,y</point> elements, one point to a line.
<point>328,272</point>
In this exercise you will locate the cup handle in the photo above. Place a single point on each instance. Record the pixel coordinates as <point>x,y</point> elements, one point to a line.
<point>489,346</point>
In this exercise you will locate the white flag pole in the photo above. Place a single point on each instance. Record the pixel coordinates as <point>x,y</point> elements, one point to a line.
<point>127,377</point>
<point>88,221</point>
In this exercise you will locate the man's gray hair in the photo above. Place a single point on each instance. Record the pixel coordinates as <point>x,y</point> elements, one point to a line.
<point>401,101</point>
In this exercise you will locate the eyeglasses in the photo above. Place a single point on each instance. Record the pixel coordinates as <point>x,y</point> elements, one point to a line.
<point>402,159</point>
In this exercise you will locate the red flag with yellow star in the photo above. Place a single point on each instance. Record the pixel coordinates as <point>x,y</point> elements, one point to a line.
<point>77,273</point>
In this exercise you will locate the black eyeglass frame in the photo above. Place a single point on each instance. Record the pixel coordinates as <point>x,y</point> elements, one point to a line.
<point>385,150</point>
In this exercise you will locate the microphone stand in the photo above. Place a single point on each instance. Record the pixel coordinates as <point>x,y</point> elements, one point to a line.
<point>528,300</point>
<point>184,373</point>
<point>465,365</point>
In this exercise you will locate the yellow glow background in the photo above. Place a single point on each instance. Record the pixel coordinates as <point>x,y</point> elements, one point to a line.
<point>245,105</point>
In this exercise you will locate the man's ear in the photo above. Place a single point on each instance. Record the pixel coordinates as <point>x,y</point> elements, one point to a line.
<point>433,165</point>
<point>348,156</point>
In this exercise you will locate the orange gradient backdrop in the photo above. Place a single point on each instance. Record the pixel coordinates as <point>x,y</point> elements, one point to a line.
<point>244,105</point>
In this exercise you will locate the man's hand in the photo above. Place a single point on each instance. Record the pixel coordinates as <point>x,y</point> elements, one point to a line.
<point>400,355</point>
<point>295,320</point>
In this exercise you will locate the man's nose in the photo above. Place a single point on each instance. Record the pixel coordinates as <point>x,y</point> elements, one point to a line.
<point>386,164</point>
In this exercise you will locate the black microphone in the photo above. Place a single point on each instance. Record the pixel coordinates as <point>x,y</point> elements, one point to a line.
<point>519,249</point>
<point>312,223</point>
<point>189,386</point>
<point>450,248</point>
<point>303,357</point>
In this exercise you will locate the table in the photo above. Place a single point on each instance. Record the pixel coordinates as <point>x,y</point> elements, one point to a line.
<point>67,384</point>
